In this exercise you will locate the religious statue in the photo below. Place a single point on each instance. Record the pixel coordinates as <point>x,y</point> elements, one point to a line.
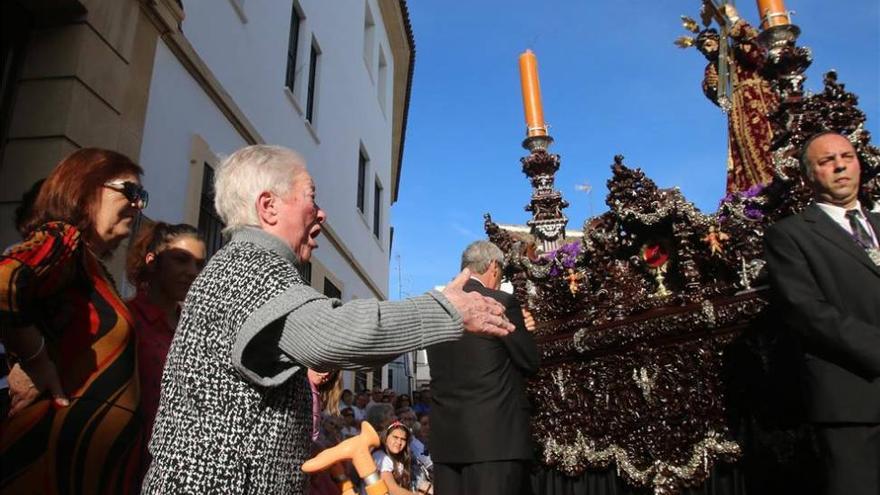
<point>573,278</point>
<point>715,239</point>
<point>734,81</point>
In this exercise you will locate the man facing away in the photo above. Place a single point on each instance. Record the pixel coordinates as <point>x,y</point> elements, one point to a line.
<point>823,266</point>
<point>480,441</point>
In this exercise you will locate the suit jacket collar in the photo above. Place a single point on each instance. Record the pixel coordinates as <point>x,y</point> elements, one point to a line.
<point>472,285</point>
<point>874,220</point>
<point>825,227</point>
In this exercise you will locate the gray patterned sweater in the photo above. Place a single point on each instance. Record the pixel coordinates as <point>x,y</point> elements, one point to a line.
<point>235,410</point>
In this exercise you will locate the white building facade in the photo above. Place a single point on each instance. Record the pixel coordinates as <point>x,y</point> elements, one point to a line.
<point>328,79</point>
<point>195,80</point>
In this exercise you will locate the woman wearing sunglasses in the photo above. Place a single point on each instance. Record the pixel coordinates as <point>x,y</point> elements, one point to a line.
<point>76,427</point>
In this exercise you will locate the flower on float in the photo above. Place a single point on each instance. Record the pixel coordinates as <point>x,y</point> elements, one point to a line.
<point>654,255</point>
<point>563,257</point>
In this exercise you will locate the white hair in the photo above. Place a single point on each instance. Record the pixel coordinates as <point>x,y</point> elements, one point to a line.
<point>479,255</point>
<point>247,173</point>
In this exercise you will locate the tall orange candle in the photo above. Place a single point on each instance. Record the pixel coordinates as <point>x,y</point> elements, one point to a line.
<point>531,93</point>
<point>773,13</point>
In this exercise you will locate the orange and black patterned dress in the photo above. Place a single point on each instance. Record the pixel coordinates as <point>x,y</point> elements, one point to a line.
<point>53,282</point>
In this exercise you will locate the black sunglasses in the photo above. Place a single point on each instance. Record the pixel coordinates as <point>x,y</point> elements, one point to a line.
<point>133,192</point>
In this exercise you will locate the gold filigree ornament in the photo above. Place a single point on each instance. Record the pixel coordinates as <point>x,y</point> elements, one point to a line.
<point>684,41</point>
<point>665,478</point>
<point>690,24</point>
<point>784,162</point>
<point>656,258</point>
<point>646,381</point>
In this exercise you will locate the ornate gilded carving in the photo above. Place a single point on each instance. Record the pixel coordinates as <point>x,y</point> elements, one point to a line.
<point>636,380</point>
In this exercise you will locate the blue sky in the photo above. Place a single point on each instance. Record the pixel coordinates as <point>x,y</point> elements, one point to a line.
<point>612,83</point>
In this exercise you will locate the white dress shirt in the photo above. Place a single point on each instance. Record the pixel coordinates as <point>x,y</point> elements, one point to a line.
<point>838,214</point>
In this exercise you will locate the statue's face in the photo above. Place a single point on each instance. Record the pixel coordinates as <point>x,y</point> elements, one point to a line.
<point>708,45</point>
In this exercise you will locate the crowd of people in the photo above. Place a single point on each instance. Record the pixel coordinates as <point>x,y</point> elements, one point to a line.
<point>155,395</point>
<point>223,375</point>
<point>403,460</point>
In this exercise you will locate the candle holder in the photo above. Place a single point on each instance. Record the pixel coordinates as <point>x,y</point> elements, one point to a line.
<point>785,62</point>
<point>548,222</point>
<point>661,291</point>
<point>534,143</point>
<point>779,36</point>
<point>767,20</point>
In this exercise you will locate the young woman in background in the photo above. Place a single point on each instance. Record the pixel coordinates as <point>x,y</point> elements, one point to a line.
<point>162,263</point>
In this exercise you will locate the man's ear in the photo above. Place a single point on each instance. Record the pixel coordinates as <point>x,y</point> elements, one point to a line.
<point>266,211</point>
<point>499,274</point>
<point>149,258</point>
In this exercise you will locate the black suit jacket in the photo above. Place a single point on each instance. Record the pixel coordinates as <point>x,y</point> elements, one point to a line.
<point>480,411</point>
<point>828,292</point>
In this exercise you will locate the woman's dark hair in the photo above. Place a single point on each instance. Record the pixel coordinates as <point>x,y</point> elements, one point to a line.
<point>25,210</point>
<point>400,398</point>
<point>152,239</point>
<point>70,193</point>
<point>379,414</point>
<point>404,458</point>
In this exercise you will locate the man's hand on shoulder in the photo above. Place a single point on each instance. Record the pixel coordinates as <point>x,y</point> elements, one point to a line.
<point>480,314</point>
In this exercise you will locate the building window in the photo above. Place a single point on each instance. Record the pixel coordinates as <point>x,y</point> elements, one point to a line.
<point>330,289</point>
<point>390,377</point>
<point>362,180</point>
<point>369,38</point>
<point>377,209</point>
<point>313,75</point>
<point>292,47</point>
<point>305,271</point>
<point>360,381</point>
<point>382,85</point>
<point>210,225</point>
<point>377,377</point>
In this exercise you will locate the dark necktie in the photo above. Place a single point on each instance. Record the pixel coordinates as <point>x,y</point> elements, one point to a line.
<point>858,230</point>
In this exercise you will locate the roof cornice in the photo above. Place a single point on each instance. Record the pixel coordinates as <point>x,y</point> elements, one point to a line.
<point>398,27</point>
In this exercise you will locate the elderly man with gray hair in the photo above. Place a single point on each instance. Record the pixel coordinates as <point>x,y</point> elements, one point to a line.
<point>235,410</point>
<point>480,441</point>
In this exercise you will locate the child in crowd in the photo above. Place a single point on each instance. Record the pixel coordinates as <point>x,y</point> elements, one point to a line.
<point>394,461</point>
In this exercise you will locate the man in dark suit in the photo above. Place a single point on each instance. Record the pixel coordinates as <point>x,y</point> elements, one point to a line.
<point>823,266</point>
<point>480,438</point>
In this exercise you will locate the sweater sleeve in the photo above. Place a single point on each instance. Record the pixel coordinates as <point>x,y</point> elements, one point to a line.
<point>326,334</point>
<point>321,333</point>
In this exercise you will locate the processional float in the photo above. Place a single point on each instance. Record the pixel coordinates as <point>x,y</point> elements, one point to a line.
<point>658,349</point>
<point>659,354</point>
